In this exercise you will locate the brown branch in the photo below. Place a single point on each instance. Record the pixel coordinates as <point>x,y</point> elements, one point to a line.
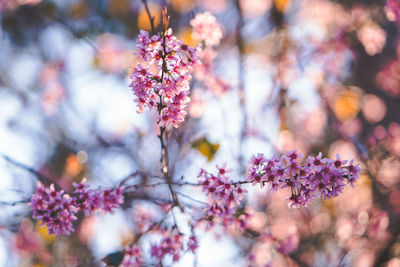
<point>14,203</point>
<point>241,85</point>
<point>190,198</point>
<point>163,136</point>
<point>151,18</point>
<point>39,175</point>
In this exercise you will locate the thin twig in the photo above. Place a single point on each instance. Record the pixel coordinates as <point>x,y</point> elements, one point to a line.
<point>133,174</point>
<point>14,203</point>
<point>27,168</point>
<point>151,18</point>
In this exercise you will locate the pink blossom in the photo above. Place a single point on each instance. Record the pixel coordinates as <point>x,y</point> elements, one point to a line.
<point>192,244</point>
<point>57,210</point>
<point>162,77</point>
<point>316,177</point>
<point>225,195</point>
<point>289,245</point>
<point>133,257</point>
<point>171,244</point>
<point>372,37</point>
<point>205,72</point>
<point>206,29</point>
<point>392,9</point>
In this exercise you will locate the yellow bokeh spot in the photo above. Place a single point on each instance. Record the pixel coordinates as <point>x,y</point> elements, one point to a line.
<point>143,18</point>
<point>44,234</point>
<point>182,5</point>
<point>365,180</point>
<point>186,36</point>
<point>347,105</point>
<point>329,205</point>
<point>39,265</point>
<point>282,5</point>
<point>73,167</point>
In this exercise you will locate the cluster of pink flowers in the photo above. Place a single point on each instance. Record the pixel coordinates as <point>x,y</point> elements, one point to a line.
<point>133,257</point>
<point>392,9</point>
<point>225,195</point>
<point>317,177</point>
<point>372,37</point>
<point>162,76</point>
<point>388,77</point>
<point>170,244</point>
<point>207,30</point>
<point>192,244</point>
<point>285,247</point>
<point>90,200</point>
<point>57,210</point>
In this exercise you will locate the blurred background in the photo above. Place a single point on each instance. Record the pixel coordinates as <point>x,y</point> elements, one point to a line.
<point>313,74</point>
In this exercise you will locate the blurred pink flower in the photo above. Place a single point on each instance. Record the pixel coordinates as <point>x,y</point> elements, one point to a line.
<point>57,210</point>
<point>206,29</point>
<point>13,4</point>
<point>392,10</point>
<point>167,87</point>
<point>133,257</point>
<point>372,37</point>
<point>317,177</point>
<point>112,55</point>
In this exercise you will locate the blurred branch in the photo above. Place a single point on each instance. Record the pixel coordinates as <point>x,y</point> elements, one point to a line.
<point>14,203</point>
<point>139,186</point>
<point>133,174</point>
<point>72,30</point>
<point>151,18</point>
<point>385,252</point>
<point>5,81</point>
<point>29,169</point>
<point>134,195</point>
<point>241,86</point>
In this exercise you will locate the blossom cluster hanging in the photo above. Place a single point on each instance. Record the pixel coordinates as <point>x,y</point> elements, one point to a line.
<point>225,196</point>
<point>57,210</point>
<point>162,77</point>
<point>133,257</point>
<point>316,177</point>
<point>170,244</point>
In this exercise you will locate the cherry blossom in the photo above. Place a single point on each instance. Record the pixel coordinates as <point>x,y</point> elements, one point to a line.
<point>57,210</point>
<point>206,29</point>
<point>225,195</point>
<point>162,77</point>
<point>317,177</point>
<point>133,257</point>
